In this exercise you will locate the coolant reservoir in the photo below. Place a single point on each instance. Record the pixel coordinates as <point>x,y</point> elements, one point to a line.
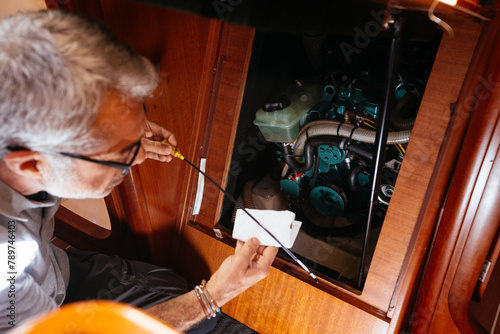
<point>280,122</point>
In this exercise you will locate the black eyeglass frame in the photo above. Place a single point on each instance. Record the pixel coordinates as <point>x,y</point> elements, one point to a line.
<point>125,167</point>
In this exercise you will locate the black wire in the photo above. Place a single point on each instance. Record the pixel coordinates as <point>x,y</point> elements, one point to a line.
<point>350,135</point>
<point>239,205</point>
<point>338,128</point>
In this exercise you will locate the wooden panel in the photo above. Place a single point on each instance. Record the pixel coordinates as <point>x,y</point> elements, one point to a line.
<point>177,107</point>
<point>218,139</point>
<point>431,207</point>
<point>280,303</point>
<point>443,87</point>
<point>453,269</point>
<point>483,212</point>
<point>484,216</point>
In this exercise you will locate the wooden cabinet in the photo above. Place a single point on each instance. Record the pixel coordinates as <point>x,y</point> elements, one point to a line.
<point>437,211</point>
<point>285,304</point>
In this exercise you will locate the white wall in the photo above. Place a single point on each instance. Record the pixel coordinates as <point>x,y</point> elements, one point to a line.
<point>11,6</point>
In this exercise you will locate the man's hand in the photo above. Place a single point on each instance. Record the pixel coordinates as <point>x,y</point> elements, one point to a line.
<point>153,143</point>
<point>249,264</point>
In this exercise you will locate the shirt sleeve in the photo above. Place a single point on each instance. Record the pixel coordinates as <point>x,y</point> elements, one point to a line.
<point>22,296</point>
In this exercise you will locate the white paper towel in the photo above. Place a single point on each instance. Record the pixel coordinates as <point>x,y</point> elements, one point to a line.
<point>281,224</point>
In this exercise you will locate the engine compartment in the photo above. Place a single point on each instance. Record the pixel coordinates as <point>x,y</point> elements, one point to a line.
<point>306,134</point>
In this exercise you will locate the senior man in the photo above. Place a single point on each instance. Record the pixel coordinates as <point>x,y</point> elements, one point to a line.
<point>72,125</point>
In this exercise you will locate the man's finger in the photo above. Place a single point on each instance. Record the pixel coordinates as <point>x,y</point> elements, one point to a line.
<point>162,157</point>
<point>153,129</point>
<point>156,147</point>
<point>249,248</point>
<point>239,245</point>
<point>268,255</point>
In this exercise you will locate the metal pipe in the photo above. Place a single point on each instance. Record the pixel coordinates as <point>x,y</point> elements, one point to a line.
<point>381,135</point>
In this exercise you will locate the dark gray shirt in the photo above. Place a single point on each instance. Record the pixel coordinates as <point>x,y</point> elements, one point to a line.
<point>34,273</point>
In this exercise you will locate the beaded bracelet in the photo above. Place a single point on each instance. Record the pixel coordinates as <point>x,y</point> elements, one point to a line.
<point>213,304</point>
<point>208,304</point>
<point>202,303</point>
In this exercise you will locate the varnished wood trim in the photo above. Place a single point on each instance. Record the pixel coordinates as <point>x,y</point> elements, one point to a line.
<point>401,305</point>
<point>205,97</point>
<point>245,37</point>
<point>484,216</point>
<point>235,47</point>
<point>448,231</point>
<point>478,169</point>
<point>280,303</point>
<point>283,263</point>
<point>82,224</point>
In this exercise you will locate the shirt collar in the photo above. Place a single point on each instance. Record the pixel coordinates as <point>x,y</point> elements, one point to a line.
<point>12,203</point>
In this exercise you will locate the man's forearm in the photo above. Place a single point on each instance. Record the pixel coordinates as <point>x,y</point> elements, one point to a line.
<point>181,312</point>
<point>249,264</point>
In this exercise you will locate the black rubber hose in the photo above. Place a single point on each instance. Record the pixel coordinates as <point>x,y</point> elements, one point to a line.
<point>361,150</point>
<point>299,167</point>
<point>352,180</point>
<point>316,170</point>
<point>399,120</point>
<point>308,156</point>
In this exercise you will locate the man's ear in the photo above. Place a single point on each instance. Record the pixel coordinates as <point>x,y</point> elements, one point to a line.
<point>25,163</point>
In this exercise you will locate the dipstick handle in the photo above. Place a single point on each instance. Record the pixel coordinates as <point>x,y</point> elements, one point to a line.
<point>176,153</point>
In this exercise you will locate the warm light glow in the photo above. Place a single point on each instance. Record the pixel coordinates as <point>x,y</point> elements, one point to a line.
<point>449,2</point>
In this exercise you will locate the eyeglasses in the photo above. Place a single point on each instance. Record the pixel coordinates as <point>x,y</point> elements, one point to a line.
<point>130,153</point>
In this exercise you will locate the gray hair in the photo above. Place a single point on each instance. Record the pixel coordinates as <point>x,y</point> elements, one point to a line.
<point>55,69</point>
